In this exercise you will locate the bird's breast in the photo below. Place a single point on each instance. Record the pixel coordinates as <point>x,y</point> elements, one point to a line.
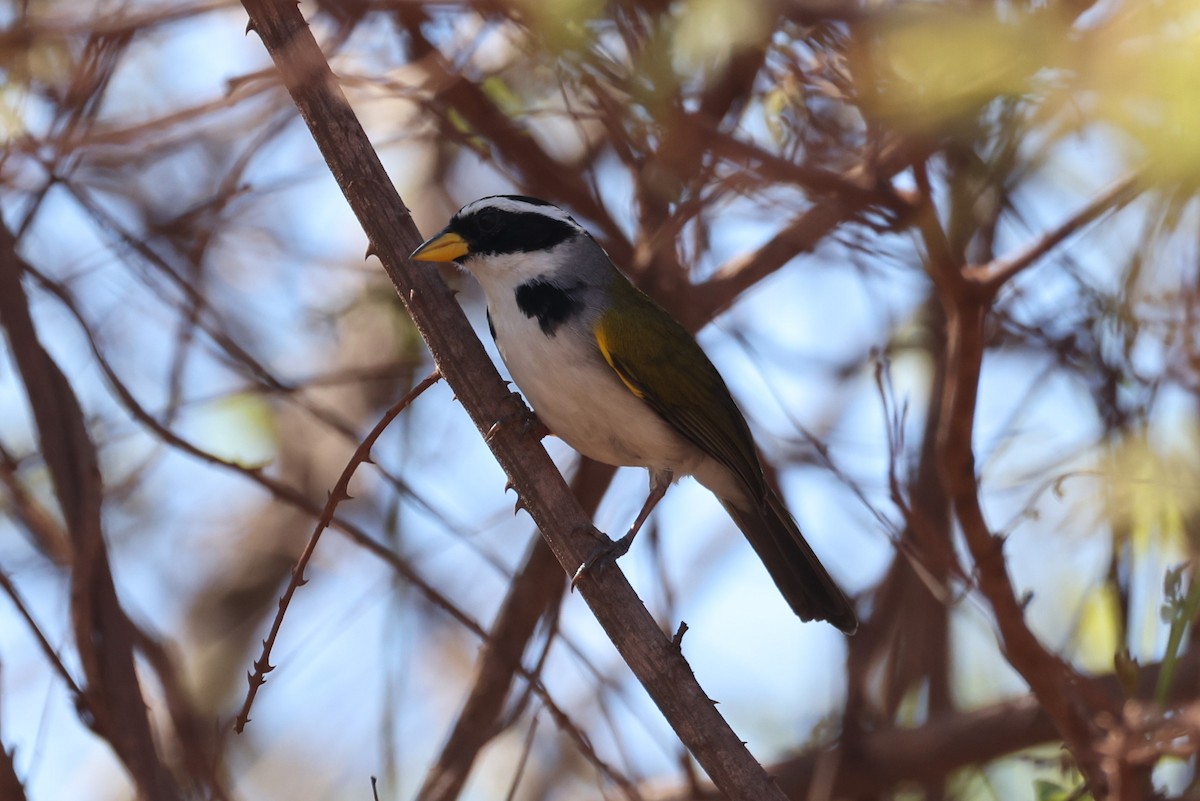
<point>581,400</point>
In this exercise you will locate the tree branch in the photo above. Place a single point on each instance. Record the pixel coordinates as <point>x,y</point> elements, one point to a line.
<point>458,353</point>
<point>880,760</point>
<point>339,493</point>
<point>1052,680</point>
<point>533,592</point>
<point>994,275</point>
<point>103,633</point>
<point>11,788</point>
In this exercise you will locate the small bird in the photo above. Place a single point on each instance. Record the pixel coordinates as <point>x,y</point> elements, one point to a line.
<point>611,373</point>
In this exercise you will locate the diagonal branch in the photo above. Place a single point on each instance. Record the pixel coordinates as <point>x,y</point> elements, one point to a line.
<point>847,195</point>
<point>799,236</point>
<point>533,592</point>
<point>994,275</point>
<point>512,145</point>
<point>44,531</point>
<point>652,657</point>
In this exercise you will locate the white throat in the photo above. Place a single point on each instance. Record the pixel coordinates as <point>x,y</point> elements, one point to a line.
<point>502,273</point>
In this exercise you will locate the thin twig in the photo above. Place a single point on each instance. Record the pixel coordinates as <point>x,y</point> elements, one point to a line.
<point>280,490</point>
<point>526,749</point>
<point>340,492</point>
<point>51,655</point>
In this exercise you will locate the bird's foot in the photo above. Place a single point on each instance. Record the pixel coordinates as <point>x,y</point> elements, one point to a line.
<point>527,418</point>
<point>606,553</point>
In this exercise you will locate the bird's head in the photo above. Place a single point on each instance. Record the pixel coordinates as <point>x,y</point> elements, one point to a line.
<point>506,238</point>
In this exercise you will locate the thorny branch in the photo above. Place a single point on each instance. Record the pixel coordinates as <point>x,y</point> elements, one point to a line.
<point>658,665</point>
<point>339,493</point>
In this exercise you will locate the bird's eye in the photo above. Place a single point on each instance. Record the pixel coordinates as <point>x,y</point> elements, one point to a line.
<point>488,221</point>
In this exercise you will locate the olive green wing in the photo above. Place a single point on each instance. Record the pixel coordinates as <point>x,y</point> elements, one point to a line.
<point>660,362</point>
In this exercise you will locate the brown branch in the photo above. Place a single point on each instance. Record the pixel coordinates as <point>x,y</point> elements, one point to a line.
<point>533,591</point>
<point>279,490</point>
<point>292,497</point>
<point>339,493</point>
<point>806,230</point>
<point>801,235</point>
<point>52,656</point>
<point>198,742</point>
<point>852,189</point>
<point>128,22</point>
<point>44,531</point>
<point>356,167</point>
<point>513,146</point>
<point>908,642</point>
<point>994,275</point>
<point>11,788</point>
<point>103,634</point>
<point>877,761</point>
<point>966,304</point>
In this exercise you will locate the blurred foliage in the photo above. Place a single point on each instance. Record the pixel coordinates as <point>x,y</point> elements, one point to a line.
<point>1150,491</point>
<point>1138,73</point>
<point>939,66</point>
<point>708,32</point>
<point>797,170</point>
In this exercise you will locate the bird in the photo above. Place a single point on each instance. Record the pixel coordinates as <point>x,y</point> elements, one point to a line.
<point>611,373</point>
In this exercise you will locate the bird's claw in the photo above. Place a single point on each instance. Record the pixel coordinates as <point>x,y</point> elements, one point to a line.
<point>530,423</point>
<point>606,553</point>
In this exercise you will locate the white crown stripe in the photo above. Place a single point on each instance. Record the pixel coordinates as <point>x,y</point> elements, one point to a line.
<point>515,206</point>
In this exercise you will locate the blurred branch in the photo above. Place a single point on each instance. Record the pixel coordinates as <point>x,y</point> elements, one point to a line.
<point>130,21</point>
<point>197,745</point>
<point>104,636</point>
<point>876,762</point>
<point>1052,680</point>
<point>994,275</point>
<point>44,531</point>
<point>280,490</point>
<point>512,145</point>
<point>11,788</point>
<point>800,235</point>
<point>906,646</point>
<point>534,589</point>
<point>806,230</point>
<point>532,593</point>
<point>52,656</point>
<point>191,300</point>
<point>851,188</point>
<point>654,659</point>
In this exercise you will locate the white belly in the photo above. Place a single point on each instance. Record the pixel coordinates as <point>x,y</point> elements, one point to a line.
<point>581,400</point>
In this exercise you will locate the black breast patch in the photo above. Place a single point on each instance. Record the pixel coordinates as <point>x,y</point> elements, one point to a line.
<point>551,305</point>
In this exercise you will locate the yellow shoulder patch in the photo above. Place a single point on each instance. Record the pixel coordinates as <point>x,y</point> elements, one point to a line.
<point>605,343</point>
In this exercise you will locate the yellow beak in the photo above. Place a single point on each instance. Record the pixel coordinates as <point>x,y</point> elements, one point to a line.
<point>446,246</point>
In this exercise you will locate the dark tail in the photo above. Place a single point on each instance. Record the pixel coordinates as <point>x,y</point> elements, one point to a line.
<point>797,572</point>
